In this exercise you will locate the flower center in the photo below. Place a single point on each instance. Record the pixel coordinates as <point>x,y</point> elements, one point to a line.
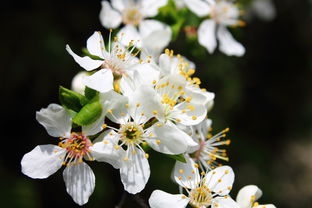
<point>131,133</point>
<point>114,67</point>
<point>200,197</point>
<point>77,146</point>
<point>132,16</point>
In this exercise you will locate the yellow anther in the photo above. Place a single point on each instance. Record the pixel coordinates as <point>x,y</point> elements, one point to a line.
<point>154,81</point>
<point>138,105</point>
<point>126,105</point>
<point>202,173</point>
<point>155,112</point>
<point>146,155</point>
<point>183,197</point>
<point>257,204</point>
<point>190,107</point>
<point>109,111</point>
<point>227,171</point>
<point>122,114</point>
<point>194,118</point>
<point>116,147</point>
<point>181,171</point>
<point>178,120</point>
<point>158,141</point>
<point>105,142</point>
<point>159,124</point>
<point>220,180</point>
<point>229,188</point>
<point>189,177</point>
<point>133,152</point>
<point>188,99</point>
<point>180,178</point>
<point>183,111</point>
<point>125,158</point>
<point>196,165</point>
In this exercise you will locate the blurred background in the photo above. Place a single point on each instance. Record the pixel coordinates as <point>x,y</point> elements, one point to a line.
<point>265,98</point>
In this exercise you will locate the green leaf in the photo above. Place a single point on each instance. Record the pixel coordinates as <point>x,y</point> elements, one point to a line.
<point>71,100</point>
<point>88,114</point>
<point>179,157</point>
<point>90,93</point>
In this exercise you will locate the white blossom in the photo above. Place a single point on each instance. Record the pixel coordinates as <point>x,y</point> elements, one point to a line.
<point>153,35</point>
<point>247,197</point>
<point>208,190</point>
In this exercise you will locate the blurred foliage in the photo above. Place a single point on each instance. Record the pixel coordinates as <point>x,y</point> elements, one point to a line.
<point>264,97</point>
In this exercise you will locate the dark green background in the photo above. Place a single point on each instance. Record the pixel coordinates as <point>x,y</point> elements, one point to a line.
<point>264,97</point>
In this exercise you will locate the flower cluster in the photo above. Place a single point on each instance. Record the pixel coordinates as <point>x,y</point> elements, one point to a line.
<point>132,98</point>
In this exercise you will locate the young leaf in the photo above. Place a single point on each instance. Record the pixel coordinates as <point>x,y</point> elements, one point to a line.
<point>88,114</point>
<point>90,93</point>
<point>71,100</point>
<point>179,157</point>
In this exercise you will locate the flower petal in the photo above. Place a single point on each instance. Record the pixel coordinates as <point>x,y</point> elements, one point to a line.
<point>85,62</point>
<point>76,84</point>
<point>115,104</point>
<point>105,152</point>
<point>150,7</point>
<point>227,44</point>
<point>55,120</point>
<point>119,4</point>
<point>95,44</point>
<point>161,199</point>
<point>101,81</point>
<point>80,182</point>
<point>128,33</point>
<point>220,180</point>
<point>190,117</point>
<point>200,97</point>
<point>135,172</point>
<point>147,104</point>
<point>155,35</point>
<point>199,7</point>
<point>207,35</point>
<point>248,195</point>
<point>42,161</point>
<point>168,139</point>
<point>224,202</point>
<point>109,17</point>
<point>186,174</point>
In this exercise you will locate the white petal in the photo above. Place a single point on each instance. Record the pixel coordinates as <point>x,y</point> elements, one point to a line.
<point>150,7</point>
<point>198,96</point>
<point>42,161</point>
<point>55,120</point>
<point>95,45</point>
<point>116,103</point>
<point>265,206</point>
<point>224,202</point>
<point>129,33</point>
<point>104,151</point>
<point>135,172</point>
<point>76,84</point>
<point>109,17</point>
<point>80,182</point>
<point>186,174</point>
<point>199,7</point>
<point>155,43</point>
<point>161,199</point>
<point>147,104</point>
<point>220,180</point>
<point>190,117</point>
<point>119,4</point>
<point>171,139</point>
<point>85,62</point>
<point>227,44</point>
<point>248,195</point>
<point>101,81</point>
<point>147,74</point>
<point>207,35</point>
